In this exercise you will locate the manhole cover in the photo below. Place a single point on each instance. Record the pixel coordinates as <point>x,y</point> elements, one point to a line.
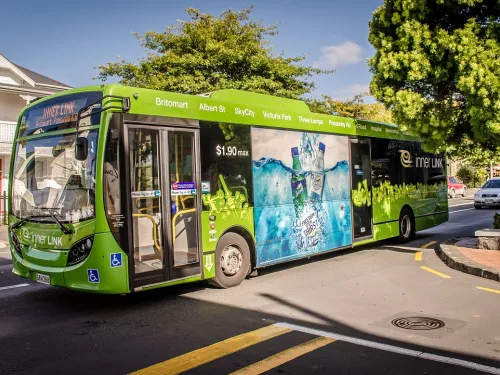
<point>418,323</point>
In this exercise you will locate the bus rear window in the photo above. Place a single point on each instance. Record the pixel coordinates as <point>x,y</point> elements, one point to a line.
<point>59,113</point>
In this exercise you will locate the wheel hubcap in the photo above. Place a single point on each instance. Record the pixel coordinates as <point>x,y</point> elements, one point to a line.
<point>231,260</point>
<point>406,226</point>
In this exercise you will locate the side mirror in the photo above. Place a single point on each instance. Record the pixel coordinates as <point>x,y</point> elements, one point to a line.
<point>81,148</point>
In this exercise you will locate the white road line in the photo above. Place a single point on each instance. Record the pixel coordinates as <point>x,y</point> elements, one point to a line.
<point>13,286</point>
<point>465,209</point>
<point>461,204</point>
<point>393,349</point>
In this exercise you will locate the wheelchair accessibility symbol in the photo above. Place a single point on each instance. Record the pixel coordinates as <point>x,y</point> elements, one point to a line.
<point>116,260</point>
<point>93,276</point>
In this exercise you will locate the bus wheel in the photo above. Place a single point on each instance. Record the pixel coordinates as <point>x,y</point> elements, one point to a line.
<point>406,226</point>
<point>232,261</point>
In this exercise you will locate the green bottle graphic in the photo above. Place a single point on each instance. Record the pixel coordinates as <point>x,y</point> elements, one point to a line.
<point>299,186</point>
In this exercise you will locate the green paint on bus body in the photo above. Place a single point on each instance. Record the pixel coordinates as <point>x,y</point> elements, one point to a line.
<point>221,213</point>
<point>111,280</point>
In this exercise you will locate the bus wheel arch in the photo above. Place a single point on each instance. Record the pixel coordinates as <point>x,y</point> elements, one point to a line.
<point>234,257</point>
<point>406,224</point>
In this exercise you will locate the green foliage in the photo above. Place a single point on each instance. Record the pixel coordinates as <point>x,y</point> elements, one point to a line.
<point>208,53</point>
<point>496,221</point>
<point>436,67</point>
<point>354,108</point>
<point>472,177</point>
<point>480,177</point>
<point>474,154</point>
<point>466,175</point>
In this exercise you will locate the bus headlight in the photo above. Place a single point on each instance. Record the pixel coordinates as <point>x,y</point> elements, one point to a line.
<point>80,251</point>
<point>16,243</point>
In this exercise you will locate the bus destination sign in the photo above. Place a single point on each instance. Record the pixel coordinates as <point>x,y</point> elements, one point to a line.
<point>58,113</point>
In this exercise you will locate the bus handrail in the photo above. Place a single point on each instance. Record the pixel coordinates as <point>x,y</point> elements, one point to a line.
<point>155,231</point>
<point>174,218</point>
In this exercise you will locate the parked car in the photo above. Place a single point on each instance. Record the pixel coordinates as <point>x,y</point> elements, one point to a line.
<point>455,186</point>
<point>489,194</point>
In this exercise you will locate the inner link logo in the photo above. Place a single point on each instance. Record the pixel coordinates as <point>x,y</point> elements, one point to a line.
<point>25,233</point>
<point>406,159</point>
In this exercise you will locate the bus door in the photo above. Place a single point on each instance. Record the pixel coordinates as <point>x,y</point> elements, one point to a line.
<point>361,183</point>
<point>165,203</point>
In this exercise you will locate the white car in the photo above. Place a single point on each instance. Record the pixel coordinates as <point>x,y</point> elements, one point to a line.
<point>489,194</point>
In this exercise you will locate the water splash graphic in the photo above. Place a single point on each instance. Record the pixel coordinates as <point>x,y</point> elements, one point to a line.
<point>285,230</point>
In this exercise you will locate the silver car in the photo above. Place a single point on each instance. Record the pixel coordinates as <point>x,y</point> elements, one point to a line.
<point>489,194</point>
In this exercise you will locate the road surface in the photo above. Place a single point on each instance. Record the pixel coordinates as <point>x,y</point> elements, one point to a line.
<point>330,314</point>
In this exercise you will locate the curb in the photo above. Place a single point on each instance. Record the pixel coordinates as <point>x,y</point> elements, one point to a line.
<point>450,255</point>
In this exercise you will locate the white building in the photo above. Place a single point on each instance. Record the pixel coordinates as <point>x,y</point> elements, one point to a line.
<point>18,87</point>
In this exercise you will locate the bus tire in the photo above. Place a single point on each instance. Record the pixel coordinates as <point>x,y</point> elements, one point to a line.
<point>232,261</point>
<point>406,225</point>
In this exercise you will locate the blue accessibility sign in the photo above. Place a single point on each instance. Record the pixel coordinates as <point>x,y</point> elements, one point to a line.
<point>93,276</point>
<point>116,260</point>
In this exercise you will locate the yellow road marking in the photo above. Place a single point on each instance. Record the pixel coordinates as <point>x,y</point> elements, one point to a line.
<point>284,356</point>
<point>436,272</point>
<point>418,256</point>
<point>212,352</point>
<point>488,290</point>
<point>428,244</point>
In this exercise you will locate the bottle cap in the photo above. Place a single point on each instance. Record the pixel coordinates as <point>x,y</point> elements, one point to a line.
<point>295,151</point>
<point>322,146</point>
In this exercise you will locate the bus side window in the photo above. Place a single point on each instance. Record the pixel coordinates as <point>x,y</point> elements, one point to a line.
<point>226,165</point>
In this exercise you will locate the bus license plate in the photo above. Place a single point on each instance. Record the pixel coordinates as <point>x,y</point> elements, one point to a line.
<point>44,279</point>
<point>490,201</point>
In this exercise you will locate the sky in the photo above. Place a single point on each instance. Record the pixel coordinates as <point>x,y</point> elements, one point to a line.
<point>65,40</point>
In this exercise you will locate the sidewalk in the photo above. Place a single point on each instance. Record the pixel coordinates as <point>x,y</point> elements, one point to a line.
<point>461,254</point>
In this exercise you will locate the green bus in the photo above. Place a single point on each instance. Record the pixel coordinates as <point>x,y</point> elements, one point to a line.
<point>116,189</point>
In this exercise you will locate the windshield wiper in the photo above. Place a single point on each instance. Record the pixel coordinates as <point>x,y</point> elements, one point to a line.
<point>63,227</point>
<point>25,220</point>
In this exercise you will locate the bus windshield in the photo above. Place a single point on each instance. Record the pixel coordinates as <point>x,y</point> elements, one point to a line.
<point>48,177</point>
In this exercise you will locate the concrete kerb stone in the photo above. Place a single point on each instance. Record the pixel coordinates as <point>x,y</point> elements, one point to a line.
<point>449,254</point>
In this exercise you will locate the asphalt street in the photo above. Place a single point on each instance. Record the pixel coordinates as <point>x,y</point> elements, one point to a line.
<point>330,314</point>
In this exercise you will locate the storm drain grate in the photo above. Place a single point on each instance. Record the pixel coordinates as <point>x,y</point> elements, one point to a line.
<point>418,323</point>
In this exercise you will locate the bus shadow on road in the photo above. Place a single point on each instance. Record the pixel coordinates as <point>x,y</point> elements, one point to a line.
<point>150,327</point>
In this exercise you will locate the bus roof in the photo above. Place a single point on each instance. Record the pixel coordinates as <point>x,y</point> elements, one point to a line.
<point>241,107</point>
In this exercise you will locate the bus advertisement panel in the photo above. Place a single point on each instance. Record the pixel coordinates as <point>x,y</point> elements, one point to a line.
<point>301,193</point>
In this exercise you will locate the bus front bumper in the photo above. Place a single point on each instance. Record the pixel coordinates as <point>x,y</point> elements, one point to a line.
<point>91,275</point>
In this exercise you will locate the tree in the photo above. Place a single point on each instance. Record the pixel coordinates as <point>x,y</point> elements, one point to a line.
<point>437,68</point>
<point>354,108</point>
<point>208,53</point>
<point>470,153</point>
<point>465,174</point>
